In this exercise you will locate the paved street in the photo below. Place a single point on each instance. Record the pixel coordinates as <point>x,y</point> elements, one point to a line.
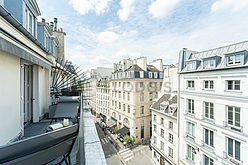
<point>116,154</point>
<point>109,149</point>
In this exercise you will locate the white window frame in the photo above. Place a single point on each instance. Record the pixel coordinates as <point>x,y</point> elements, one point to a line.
<point>234,113</point>
<point>207,134</point>
<point>235,85</point>
<point>170,138</point>
<point>190,153</point>
<point>191,84</point>
<point>162,145</point>
<point>190,129</point>
<point>190,106</point>
<point>142,110</point>
<point>209,63</point>
<point>28,14</point>
<point>210,161</point>
<point>207,110</point>
<point>208,84</point>
<point>236,59</point>
<point>234,150</point>
<point>170,152</point>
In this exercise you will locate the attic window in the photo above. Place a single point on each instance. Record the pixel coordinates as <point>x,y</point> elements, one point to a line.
<point>141,74</point>
<point>171,111</point>
<point>155,75</point>
<point>150,74</point>
<point>234,59</point>
<point>210,63</point>
<point>191,65</point>
<point>162,107</point>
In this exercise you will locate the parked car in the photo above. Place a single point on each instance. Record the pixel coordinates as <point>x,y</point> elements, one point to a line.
<point>120,138</point>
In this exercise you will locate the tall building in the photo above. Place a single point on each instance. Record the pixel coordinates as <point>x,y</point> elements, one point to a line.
<point>213,105</point>
<point>164,141</point>
<point>133,86</point>
<point>103,100</point>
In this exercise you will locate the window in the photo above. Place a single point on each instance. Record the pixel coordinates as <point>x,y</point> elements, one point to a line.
<point>141,84</point>
<point>162,132</point>
<point>191,84</point>
<point>115,104</point>
<point>209,84</point>
<point>128,108</point>
<point>150,96</point>
<point>191,129</point>
<point>128,96</point>
<point>209,63</point>
<point>233,116</point>
<point>141,96</point>
<point>119,84</point>
<point>155,128</point>
<point>124,95</point>
<point>154,139</point>
<point>207,160</point>
<point>112,103</point>
<point>233,148</point>
<point>115,94</point>
<point>155,75</point>
<point>170,138</point>
<point>170,125</point>
<point>191,106</point>
<point>162,121</point>
<point>191,153</point>
<point>29,21</point>
<point>142,131</point>
<point>233,85</point>
<point>119,105</point>
<point>119,94</point>
<point>155,118</point>
<point>209,137</point>
<point>234,59</point>
<point>128,84</point>
<point>150,74</point>
<point>156,95</point>
<point>162,145</point>
<point>119,117</point>
<point>124,107</point>
<point>142,110</point>
<point>209,110</point>
<point>141,74</point>
<point>170,152</point>
<point>191,65</point>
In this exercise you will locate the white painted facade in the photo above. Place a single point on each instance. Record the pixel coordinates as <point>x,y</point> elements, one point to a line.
<point>164,124</point>
<point>103,103</point>
<point>213,125</point>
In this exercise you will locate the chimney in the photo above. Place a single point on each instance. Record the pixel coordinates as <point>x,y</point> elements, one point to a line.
<point>51,25</point>
<point>43,20</point>
<point>61,29</point>
<point>55,24</point>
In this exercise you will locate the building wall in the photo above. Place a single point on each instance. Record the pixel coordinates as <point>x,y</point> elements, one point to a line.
<point>221,98</point>
<point>134,117</point>
<point>10,97</point>
<point>103,101</point>
<point>44,91</point>
<point>15,10</point>
<point>2,2</point>
<point>61,38</point>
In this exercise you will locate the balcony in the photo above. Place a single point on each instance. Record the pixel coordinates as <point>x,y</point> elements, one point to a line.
<point>232,127</point>
<point>232,160</point>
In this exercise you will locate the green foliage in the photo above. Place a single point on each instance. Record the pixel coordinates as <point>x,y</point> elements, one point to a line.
<point>115,130</point>
<point>132,139</point>
<point>127,139</point>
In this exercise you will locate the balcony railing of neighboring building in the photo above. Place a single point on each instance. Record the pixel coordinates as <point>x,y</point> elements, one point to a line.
<point>230,159</point>
<point>232,127</point>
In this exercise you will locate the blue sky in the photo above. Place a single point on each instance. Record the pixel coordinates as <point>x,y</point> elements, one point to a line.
<point>103,32</point>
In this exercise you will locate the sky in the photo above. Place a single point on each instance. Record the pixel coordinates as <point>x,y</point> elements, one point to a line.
<point>102,32</point>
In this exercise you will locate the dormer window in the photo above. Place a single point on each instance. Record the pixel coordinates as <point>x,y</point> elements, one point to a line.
<point>210,63</point>
<point>155,75</point>
<point>162,107</point>
<point>234,59</point>
<point>141,74</point>
<point>150,74</point>
<point>191,65</point>
<point>29,21</point>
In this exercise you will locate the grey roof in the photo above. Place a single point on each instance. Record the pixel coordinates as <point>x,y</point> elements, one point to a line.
<point>134,67</point>
<point>152,68</point>
<point>167,98</point>
<point>217,53</point>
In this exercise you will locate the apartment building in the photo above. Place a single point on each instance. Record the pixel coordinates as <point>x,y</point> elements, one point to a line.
<point>28,51</point>
<point>133,86</point>
<point>92,83</point>
<point>102,100</point>
<point>213,105</point>
<point>164,141</point>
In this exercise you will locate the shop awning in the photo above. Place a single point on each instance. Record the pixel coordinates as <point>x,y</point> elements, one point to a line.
<point>124,130</point>
<point>111,123</point>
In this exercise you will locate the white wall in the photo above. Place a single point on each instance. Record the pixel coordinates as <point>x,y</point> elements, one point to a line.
<point>10,97</point>
<point>158,64</point>
<point>2,2</point>
<point>44,92</point>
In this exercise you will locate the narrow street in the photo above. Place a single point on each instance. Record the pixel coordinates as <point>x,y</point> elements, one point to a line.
<point>110,152</point>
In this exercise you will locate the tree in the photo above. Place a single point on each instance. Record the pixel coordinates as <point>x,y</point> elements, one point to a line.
<point>127,139</point>
<point>132,139</point>
<point>115,130</point>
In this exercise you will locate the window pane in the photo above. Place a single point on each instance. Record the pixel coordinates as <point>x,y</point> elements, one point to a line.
<point>230,115</point>
<point>237,117</point>
<point>206,160</point>
<point>206,136</point>
<point>237,150</point>
<point>193,129</point>
<point>211,84</point>
<point>230,147</point>
<point>206,110</point>
<point>206,84</point>
<point>230,60</point>
<point>237,85</point>
<point>237,59</point>
<point>211,110</point>
<point>211,138</point>
<point>230,85</point>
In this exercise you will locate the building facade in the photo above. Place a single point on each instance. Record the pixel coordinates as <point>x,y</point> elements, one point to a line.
<point>28,50</point>
<point>213,105</point>
<point>103,100</point>
<point>164,141</point>
<point>133,86</point>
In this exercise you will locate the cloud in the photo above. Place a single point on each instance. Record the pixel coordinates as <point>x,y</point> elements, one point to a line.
<point>108,36</point>
<point>124,53</point>
<point>229,5</point>
<point>162,8</point>
<point>84,6</point>
<point>127,8</point>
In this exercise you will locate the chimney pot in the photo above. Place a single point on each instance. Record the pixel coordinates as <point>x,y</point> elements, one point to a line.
<point>55,24</point>
<point>43,20</point>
